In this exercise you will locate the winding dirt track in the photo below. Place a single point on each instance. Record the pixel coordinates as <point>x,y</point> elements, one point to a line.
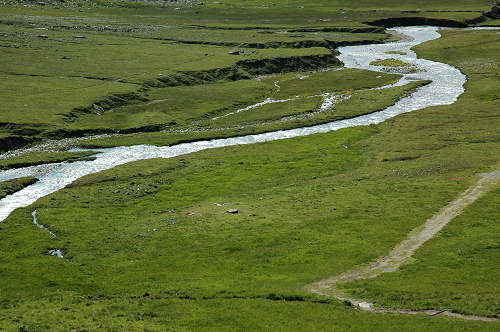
<point>404,250</point>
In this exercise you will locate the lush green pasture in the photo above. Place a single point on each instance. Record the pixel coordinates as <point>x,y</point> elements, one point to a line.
<point>358,103</point>
<point>256,38</point>
<point>235,14</point>
<point>146,246</point>
<point>11,186</point>
<point>271,112</point>
<point>341,81</point>
<point>467,5</point>
<point>117,211</point>
<point>145,228</point>
<point>48,83</point>
<point>44,100</point>
<point>494,23</point>
<point>309,208</point>
<point>153,314</point>
<point>458,269</point>
<point>48,80</point>
<point>103,56</point>
<point>177,107</point>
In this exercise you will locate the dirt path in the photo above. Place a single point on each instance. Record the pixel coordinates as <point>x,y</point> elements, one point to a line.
<point>157,101</point>
<point>404,250</point>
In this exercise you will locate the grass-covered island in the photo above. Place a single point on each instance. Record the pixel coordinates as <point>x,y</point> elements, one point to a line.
<point>394,63</point>
<point>288,234</point>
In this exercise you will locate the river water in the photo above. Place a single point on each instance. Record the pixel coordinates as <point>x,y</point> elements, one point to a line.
<point>447,85</point>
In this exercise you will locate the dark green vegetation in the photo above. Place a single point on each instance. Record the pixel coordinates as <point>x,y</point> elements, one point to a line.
<point>11,186</point>
<point>145,246</point>
<point>459,268</point>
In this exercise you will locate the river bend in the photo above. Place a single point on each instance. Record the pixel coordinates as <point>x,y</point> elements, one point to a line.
<point>446,86</point>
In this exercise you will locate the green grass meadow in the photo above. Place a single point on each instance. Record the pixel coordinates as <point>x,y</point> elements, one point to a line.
<point>11,186</point>
<point>150,246</point>
<point>457,270</point>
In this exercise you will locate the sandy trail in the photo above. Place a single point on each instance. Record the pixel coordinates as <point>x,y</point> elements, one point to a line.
<point>404,250</point>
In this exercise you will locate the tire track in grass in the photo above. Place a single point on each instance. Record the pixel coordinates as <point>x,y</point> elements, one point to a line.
<point>405,250</point>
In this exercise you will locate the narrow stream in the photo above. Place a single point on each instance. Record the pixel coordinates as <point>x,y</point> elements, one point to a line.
<point>35,221</point>
<point>447,85</point>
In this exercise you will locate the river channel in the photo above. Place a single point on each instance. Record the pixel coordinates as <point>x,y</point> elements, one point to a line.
<point>445,87</point>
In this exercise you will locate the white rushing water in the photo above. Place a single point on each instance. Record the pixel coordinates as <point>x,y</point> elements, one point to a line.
<point>447,85</point>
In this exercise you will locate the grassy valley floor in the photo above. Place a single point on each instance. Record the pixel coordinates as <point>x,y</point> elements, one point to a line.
<point>149,246</point>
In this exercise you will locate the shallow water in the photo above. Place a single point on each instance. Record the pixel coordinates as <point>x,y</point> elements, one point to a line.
<point>56,252</point>
<point>35,221</point>
<point>447,85</point>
